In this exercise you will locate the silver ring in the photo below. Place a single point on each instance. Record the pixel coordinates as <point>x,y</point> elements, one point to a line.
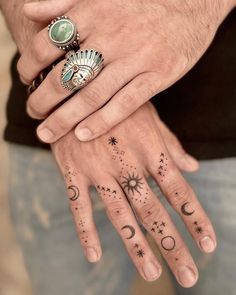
<point>80,68</point>
<point>63,33</point>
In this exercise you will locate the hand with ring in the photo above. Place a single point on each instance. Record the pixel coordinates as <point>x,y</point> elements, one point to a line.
<point>119,167</point>
<point>146,45</point>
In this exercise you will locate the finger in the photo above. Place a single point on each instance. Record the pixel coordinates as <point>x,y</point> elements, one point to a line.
<point>183,199</point>
<point>82,104</point>
<point>123,104</point>
<point>44,11</point>
<point>180,157</point>
<point>158,223</point>
<point>122,217</point>
<point>41,53</point>
<point>80,203</point>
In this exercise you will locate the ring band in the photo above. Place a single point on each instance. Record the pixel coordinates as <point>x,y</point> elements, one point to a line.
<point>80,68</point>
<point>63,33</point>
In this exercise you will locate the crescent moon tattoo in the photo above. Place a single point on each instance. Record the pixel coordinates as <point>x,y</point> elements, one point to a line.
<point>184,211</point>
<point>75,191</point>
<point>132,231</point>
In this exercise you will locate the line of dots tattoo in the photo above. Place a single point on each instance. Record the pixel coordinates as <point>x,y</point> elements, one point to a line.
<point>163,163</point>
<point>69,174</point>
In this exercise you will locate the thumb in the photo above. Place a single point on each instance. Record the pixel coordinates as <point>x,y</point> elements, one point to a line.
<point>45,11</point>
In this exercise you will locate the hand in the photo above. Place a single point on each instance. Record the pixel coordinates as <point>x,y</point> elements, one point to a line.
<point>147,45</point>
<point>118,166</point>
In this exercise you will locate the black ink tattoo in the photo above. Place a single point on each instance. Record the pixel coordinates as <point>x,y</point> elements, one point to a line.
<point>185,211</point>
<point>162,166</point>
<point>132,231</point>
<point>168,243</point>
<point>108,192</point>
<point>81,223</point>
<point>158,227</point>
<point>140,253</point>
<point>132,183</point>
<point>75,192</point>
<point>136,245</point>
<point>69,173</point>
<point>198,229</point>
<point>112,141</point>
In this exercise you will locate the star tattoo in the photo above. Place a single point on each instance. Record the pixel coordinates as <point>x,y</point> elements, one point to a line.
<point>140,253</point>
<point>112,141</point>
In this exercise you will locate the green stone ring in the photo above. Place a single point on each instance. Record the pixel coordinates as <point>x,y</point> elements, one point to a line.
<point>81,68</point>
<point>63,33</point>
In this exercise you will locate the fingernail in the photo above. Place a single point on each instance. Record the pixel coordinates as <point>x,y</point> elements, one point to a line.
<point>151,272</point>
<point>92,255</point>
<point>45,134</point>
<point>191,161</point>
<point>207,244</point>
<point>83,134</point>
<point>186,276</point>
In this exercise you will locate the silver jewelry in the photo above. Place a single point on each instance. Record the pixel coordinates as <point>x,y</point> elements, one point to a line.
<point>80,68</point>
<point>63,33</point>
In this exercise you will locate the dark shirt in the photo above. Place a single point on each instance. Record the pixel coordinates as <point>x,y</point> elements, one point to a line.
<point>200,109</point>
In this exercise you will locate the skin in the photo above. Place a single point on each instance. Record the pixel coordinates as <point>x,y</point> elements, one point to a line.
<point>146,127</point>
<point>99,163</point>
<point>170,37</point>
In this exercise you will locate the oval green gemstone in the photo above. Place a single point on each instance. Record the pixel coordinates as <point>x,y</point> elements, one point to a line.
<point>62,31</point>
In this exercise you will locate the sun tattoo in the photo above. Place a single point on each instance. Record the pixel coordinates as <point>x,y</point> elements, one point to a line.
<point>132,183</point>
<point>112,141</point>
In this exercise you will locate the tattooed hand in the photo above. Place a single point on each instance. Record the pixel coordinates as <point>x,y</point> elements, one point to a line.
<point>118,165</point>
<point>148,46</point>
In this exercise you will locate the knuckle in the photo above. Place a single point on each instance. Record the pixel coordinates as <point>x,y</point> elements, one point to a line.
<point>102,123</point>
<point>54,79</point>
<point>149,212</point>
<point>92,97</point>
<point>59,121</point>
<point>34,108</point>
<point>115,210</point>
<point>178,251</point>
<point>126,102</point>
<point>39,50</point>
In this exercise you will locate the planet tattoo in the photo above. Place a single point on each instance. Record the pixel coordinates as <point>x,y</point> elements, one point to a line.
<point>75,191</point>
<point>185,211</point>
<point>132,231</point>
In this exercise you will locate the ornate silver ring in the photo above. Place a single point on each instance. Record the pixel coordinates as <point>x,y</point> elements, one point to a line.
<point>80,68</point>
<point>63,33</point>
